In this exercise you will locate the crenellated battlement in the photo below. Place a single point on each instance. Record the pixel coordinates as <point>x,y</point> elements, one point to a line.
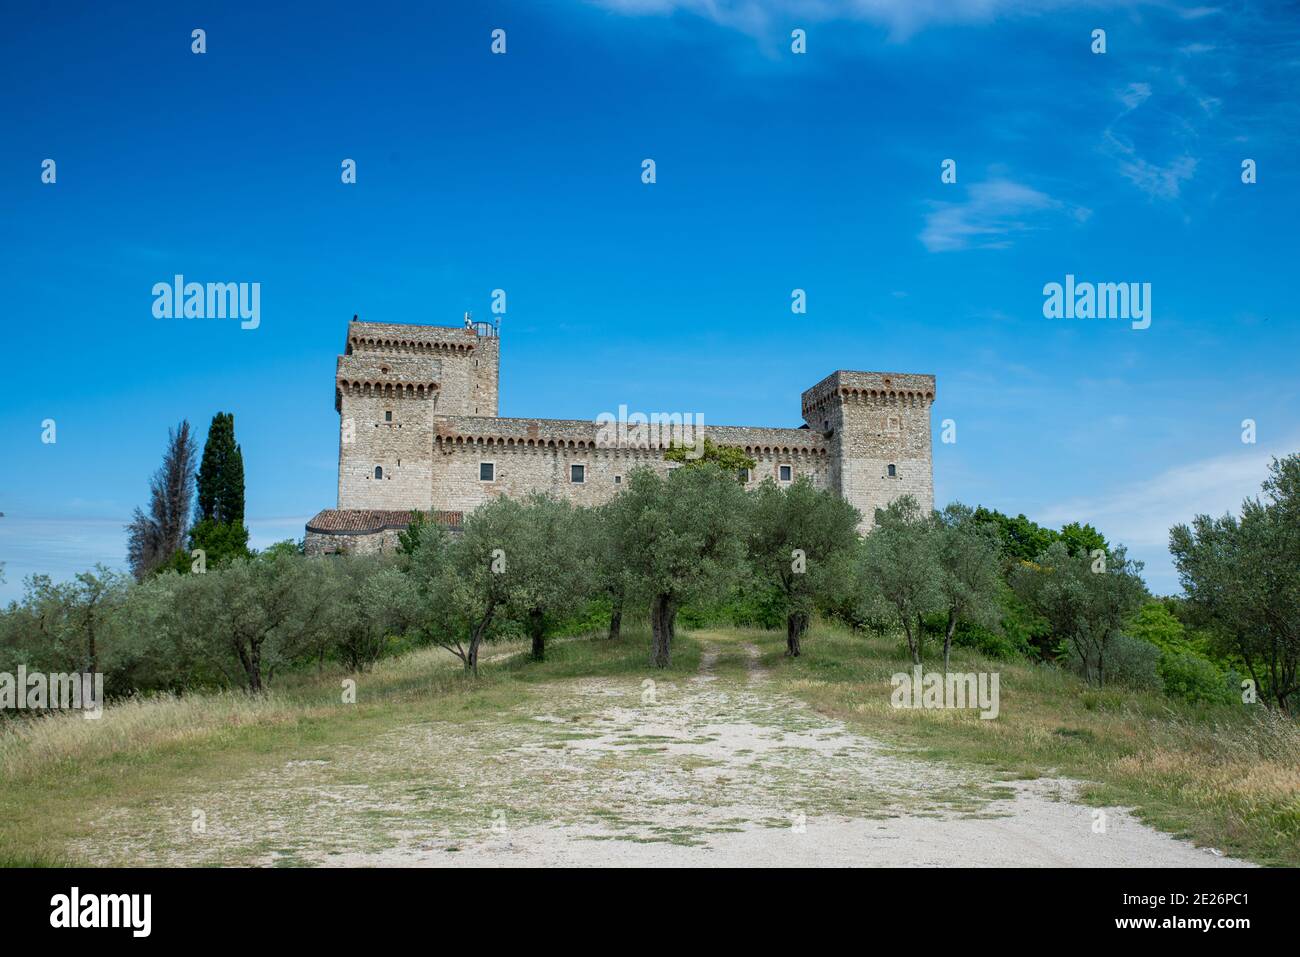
<point>392,376</point>
<point>585,435</point>
<point>397,338</point>
<point>419,430</point>
<point>872,388</point>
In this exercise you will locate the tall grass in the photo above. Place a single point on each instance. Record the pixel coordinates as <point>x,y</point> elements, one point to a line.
<point>60,742</point>
<point>63,743</point>
<point>57,742</point>
<point>1226,775</point>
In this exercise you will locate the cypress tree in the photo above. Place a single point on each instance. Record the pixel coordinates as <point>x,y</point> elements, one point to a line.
<point>155,536</point>
<point>221,474</point>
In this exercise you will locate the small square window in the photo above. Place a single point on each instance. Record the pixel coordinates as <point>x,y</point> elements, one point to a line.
<point>893,471</point>
<point>487,471</point>
<point>618,480</point>
<point>577,473</point>
<point>743,475</point>
<point>388,417</point>
<point>787,471</point>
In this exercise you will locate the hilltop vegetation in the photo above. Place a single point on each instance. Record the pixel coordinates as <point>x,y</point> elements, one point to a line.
<point>693,543</point>
<point>1224,776</point>
<point>1178,707</point>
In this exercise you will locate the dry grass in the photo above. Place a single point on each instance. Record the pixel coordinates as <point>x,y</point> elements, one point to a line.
<point>1226,776</point>
<point>54,743</point>
<point>61,742</point>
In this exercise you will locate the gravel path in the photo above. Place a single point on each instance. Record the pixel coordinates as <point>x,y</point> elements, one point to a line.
<point>740,776</point>
<point>718,769</point>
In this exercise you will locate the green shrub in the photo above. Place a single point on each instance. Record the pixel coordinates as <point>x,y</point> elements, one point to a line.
<point>1133,662</point>
<point>1025,630</point>
<point>1009,644</point>
<point>1129,661</point>
<point>1191,678</point>
<point>751,604</point>
<point>591,617</point>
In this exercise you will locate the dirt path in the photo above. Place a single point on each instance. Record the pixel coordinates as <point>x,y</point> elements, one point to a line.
<point>717,770</point>
<point>788,788</point>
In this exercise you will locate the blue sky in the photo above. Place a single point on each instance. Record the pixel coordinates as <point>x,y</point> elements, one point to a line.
<point>775,171</point>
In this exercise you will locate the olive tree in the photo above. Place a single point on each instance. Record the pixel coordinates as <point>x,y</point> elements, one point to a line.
<point>253,610</point>
<point>795,537</point>
<point>63,624</point>
<point>550,566</point>
<point>899,566</point>
<point>609,570</point>
<point>359,601</point>
<point>1242,579</point>
<point>1086,600</point>
<point>466,584</point>
<point>681,537</point>
<point>969,557</point>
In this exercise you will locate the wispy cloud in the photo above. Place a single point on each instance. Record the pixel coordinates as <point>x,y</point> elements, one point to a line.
<point>1134,95</point>
<point>61,547</point>
<point>1141,512</point>
<point>993,213</point>
<point>1156,180</point>
<point>901,17</point>
<point>1147,508</point>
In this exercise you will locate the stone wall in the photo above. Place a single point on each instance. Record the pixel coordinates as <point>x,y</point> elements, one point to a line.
<point>420,404</point>
<point>389,383</point>
<point>876,421</point>
<point>536,455</point>
<point>394,436</point>
<point>484,378</point>
<point>366,531</point>
<point>383,542</point>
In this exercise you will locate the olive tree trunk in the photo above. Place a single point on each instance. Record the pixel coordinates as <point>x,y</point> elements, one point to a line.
<point>663,616</point>
<point>947,637</point>
<point>537,632</point>
<point>616,620</point>
<point>796,623</point>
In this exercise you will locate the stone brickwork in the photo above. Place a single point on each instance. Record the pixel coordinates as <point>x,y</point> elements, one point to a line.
<point>878,424</point>
<point>528,455</point>
<point>389,385</point>
<point>419,430</point>
<point>365,531</point>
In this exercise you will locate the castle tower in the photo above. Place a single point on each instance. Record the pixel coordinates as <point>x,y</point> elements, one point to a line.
<point>878,427</point>
<point>390,382</point>
<point>486,372</point>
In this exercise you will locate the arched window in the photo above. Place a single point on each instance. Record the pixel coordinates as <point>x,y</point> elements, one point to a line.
<point>379,471</point>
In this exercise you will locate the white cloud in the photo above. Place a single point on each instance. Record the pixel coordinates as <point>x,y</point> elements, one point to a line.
<point>902,17</point>
<point>1160,182</point>
<point>993,212</point>
<point>62,547</point>
<point>1134,95</point>
<point>265,532</point>
<point>1140,512</point>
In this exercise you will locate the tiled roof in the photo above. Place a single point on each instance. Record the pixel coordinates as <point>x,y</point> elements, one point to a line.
<point>361,521</point>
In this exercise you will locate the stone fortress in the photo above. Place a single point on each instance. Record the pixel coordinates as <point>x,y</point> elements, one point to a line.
<point>418,429</point>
